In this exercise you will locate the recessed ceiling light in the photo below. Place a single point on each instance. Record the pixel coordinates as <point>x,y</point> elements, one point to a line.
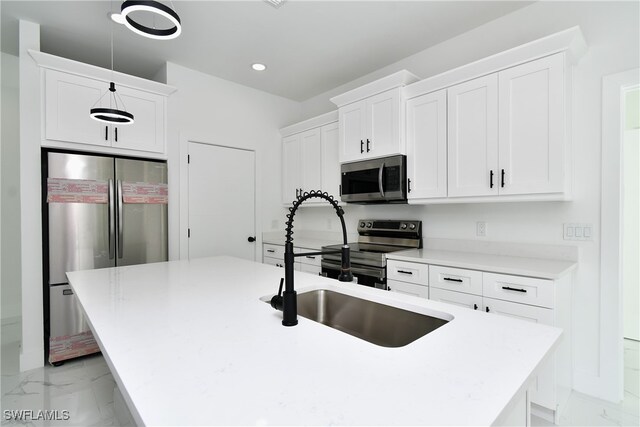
<point>259,67</point>
<point>117,18</point>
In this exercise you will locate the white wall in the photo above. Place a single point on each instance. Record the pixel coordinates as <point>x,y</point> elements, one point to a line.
<point>612,33</point>
<point>10,217</point>
<point>218,111</point>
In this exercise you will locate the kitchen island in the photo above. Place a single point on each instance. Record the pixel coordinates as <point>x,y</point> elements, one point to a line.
<point>192,343</point>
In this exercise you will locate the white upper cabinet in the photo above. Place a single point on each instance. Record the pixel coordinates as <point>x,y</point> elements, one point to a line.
<point>69,97</point>
<point>370,118</point>
<point>473,137</point>
<point>371,127</point>
<point>72,88</point>
<point>352,119</point>
<point>329,158</point>
<point>427,146</point>
<point>147,131</point>
<point>507,132</point>
<point>531,131</point>
<point>310,159</point>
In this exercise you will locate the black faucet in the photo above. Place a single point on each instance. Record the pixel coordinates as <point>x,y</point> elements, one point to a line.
<point>288,301</point>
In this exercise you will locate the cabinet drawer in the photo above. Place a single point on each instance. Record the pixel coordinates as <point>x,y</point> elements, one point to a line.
<point>456,279</point>
<point>526,290</point>
<point>410,272</point>
<point>273,261</point>
<point>273,251</point>
<point>421,291</point>
<point>309,259</point>
<point>460,299</point>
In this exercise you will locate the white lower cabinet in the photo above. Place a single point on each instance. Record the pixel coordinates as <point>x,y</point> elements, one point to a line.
<point>461,299</point>
<point>421,291</point>
<point>530,299</point>
<point>274,255</point>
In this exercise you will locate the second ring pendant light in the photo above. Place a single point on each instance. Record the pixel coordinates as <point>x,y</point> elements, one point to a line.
<point>112,114</point>
<point>154,7</point>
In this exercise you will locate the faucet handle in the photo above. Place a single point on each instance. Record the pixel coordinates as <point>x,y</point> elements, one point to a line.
<point>277,300</point>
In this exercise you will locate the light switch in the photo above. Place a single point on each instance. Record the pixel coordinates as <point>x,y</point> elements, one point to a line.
<point>578,231</point>
<point>569,231</point>
<point>587,232</point>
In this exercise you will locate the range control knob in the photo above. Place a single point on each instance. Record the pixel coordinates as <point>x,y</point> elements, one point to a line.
<point>412,226</point>
<point>369,225</point>
<point>362,224</point>
<point>403,226</point>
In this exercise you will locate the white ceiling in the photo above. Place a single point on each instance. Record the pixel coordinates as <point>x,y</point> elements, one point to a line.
<point>309,47</point>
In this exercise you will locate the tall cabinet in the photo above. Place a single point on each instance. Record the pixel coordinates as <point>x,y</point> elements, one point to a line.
<point>310,158</point>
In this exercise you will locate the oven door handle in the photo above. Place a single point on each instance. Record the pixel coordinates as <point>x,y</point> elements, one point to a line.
<point>380,186</point>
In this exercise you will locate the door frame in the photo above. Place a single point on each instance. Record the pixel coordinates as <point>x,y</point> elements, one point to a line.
<point>183,196</point>
<point>611,369</point>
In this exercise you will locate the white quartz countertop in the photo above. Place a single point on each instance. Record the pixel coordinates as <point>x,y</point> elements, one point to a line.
<point>191,343</point>
<point>521,266</point>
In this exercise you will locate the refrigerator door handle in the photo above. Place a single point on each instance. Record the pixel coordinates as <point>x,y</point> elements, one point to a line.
<point>112,221</point>
<point>120,221</point>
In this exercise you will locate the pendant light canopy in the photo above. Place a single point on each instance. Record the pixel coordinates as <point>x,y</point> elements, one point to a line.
<point>157,8</point>
<point>112,115</point>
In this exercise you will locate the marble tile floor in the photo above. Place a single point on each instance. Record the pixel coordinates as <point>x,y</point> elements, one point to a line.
<point>84,387</point>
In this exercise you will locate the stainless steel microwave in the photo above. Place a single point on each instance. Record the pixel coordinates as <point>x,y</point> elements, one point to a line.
<point>375,181</point>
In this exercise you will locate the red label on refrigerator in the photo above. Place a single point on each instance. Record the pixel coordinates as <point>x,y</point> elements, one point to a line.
<point>61,190</point>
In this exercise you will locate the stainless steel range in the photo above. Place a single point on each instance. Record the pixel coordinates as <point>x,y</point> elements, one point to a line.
<point>376,238</point>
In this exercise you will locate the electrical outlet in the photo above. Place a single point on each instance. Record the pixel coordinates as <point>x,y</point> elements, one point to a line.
<point>481,229</point>
<point>576,231</point>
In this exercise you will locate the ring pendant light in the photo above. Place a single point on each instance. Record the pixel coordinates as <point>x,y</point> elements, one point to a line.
<point>154,7</point>
<point>111,115</point>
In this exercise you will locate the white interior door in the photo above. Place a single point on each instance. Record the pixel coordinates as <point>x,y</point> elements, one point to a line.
<point>221,201</point>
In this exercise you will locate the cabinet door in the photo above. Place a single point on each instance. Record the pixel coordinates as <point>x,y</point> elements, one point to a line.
<point>427,145</point>
<point>473,137</point>
<point>474,302</point>
<point>531,131</point>
<point>383,124</point>
<point>291,168</point>
<point>146,133</point>
<point>68,99</point>
<point>352,122</point>
<point>329,162</point>
<point>310,161</point>
<point>421,291</point>
<point>543,388</point>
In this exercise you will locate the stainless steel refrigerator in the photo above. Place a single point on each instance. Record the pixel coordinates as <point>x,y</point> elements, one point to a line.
<point>99,212</point>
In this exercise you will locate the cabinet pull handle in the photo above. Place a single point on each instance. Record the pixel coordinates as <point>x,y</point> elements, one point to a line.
<point>486,309</point>
<point>405,272</point>
<point>449,279</point>
<point>270,251</point>
<point>368,142</point>
<point>491,178</point>
<point>116,134</point>
<point>409,183</point>
<point>311,257</point>
<point>475,306</point>
<point>502,179</point>
<point>106,133</point>
<point>361,146</point>
<point>509,288</point>
<point>297,191</point>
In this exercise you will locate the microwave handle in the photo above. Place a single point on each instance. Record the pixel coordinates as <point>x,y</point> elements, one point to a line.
<point>380,186</point>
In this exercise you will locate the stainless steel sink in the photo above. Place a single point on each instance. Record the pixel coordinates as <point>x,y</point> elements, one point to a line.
<point>377,323</point>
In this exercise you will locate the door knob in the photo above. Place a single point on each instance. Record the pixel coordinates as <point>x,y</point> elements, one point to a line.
<point>251,239</point>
